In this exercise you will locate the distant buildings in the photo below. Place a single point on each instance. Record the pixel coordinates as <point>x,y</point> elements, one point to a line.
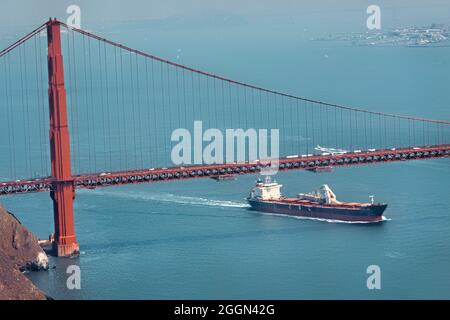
<point>404,36</point>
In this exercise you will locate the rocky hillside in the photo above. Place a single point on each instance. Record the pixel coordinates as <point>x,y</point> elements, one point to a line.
<point>14,285</point>
<point>19,250</point>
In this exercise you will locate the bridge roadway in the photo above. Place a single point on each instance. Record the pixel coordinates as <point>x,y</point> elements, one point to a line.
<point>104,179</point>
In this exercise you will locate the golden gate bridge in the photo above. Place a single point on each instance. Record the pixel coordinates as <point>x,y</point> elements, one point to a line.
<point>121,104</point>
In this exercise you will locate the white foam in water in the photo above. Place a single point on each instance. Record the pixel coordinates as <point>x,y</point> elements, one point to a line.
<point>172,198</point>
<point>383,218</point>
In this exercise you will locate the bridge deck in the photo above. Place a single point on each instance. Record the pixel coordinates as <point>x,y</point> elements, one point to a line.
<point>105,179</point>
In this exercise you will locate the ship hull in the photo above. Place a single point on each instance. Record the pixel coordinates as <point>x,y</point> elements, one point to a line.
<point>372,213</point>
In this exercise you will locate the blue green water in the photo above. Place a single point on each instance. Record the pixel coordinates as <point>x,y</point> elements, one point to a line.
<point>197,239</point>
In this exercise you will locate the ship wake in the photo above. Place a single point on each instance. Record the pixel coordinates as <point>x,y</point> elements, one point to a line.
<point>172,198</point>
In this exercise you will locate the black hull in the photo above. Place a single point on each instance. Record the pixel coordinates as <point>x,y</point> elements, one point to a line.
<point>372,213</point>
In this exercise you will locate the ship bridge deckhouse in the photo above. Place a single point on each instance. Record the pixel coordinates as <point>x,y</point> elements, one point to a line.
<point>267,190</point>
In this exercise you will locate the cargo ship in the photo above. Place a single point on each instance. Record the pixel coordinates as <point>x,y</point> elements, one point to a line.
<point>321,204</point>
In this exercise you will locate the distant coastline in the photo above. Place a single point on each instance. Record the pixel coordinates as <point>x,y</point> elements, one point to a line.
<point>411,36</point>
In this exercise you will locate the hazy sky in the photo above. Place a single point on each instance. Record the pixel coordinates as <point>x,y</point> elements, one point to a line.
<point>323,12</point>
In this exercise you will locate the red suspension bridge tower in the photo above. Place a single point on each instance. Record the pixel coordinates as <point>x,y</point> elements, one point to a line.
<point>63,193</point>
